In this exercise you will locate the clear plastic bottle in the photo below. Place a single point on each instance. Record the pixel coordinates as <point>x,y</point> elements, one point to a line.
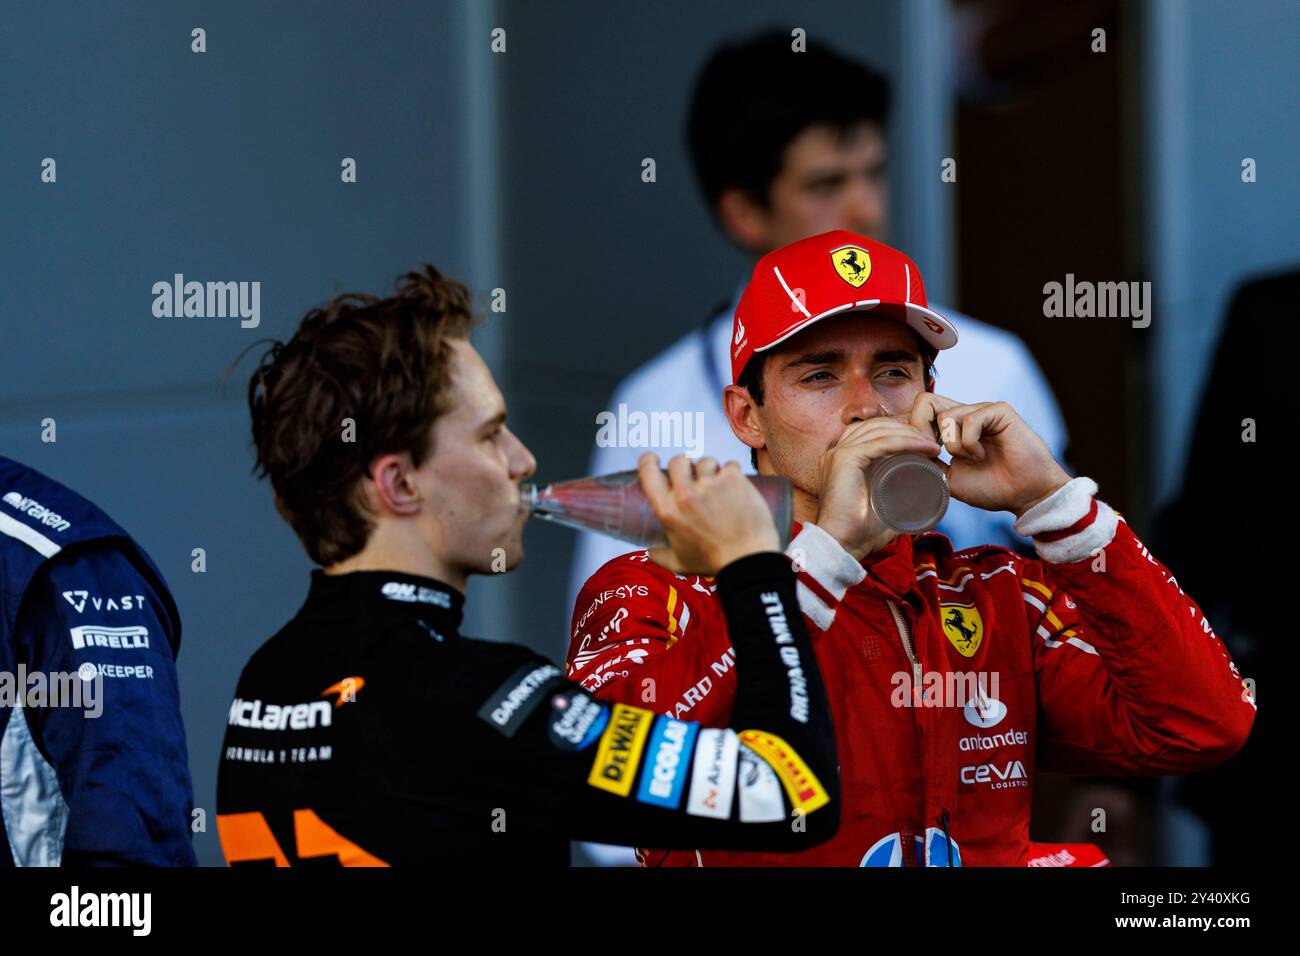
<point>909,492</point>
<point>617,506</point>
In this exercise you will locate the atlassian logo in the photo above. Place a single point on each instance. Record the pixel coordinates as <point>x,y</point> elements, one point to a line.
<point>983,710</point>
<point>931,850</point>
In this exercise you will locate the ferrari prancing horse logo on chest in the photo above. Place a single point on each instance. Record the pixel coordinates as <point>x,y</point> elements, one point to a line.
<point>963,626</point>
<point>853,263</point>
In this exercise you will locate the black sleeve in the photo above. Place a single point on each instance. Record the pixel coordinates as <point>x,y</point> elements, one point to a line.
<point>619,774</point>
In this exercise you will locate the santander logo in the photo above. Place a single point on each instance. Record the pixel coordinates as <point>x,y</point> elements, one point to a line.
<point>983,710</point>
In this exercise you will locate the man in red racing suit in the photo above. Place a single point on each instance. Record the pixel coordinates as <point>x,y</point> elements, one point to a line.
<point>952,677</point>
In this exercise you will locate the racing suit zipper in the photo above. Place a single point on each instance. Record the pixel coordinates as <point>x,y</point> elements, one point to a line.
<point>909,648</point>
<point>906,635</point>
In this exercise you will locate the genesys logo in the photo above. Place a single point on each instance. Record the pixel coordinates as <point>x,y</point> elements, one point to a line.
<point>126,602</point>
<point>117,638</point>
<point>415,594</point>
<point>34,509</point>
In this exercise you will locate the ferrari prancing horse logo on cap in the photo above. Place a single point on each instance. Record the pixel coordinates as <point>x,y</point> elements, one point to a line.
<point>853,263</point>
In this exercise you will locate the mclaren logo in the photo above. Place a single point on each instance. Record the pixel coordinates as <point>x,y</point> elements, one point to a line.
<point>346,689</point>
<point>853,263</point>
<point>964,627</point>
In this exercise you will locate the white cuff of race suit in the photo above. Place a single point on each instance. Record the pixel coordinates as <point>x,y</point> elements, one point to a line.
<point>1070,524</point>
<point>826,571</point>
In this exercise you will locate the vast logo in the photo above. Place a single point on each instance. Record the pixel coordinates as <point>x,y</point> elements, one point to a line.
<point>127,602</point>
<point>963,626</point>
<point>853,263</point>
<point>930,850</point>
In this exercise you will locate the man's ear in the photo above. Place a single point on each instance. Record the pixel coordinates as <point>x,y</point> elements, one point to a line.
<point>743,416</point>
<point>393,484</point>
<point>743,219</point>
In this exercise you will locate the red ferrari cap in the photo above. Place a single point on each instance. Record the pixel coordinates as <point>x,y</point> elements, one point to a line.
<point>809,280</point>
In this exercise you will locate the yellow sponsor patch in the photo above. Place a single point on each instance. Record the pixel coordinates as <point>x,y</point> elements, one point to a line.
<point>804,790</point>
<point>619,753</point>
<point>853,263</point>
<point>964,627</point>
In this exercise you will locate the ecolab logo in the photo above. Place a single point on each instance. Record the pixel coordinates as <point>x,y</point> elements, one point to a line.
<point>34,509</point>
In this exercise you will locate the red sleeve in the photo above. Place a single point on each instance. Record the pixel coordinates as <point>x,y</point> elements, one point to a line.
<point>1131,677</point>
<point>640,637</point>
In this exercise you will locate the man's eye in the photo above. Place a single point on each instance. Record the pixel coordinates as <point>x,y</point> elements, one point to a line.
<point>899,373</point>
<point>816,377</point>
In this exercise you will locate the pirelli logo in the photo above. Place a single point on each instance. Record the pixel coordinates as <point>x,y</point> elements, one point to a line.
<point>619,753</point>
<point>804,790</point>
<point>119,638</point>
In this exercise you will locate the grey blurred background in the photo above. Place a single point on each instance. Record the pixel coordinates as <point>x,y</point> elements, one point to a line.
<point>522,171</point>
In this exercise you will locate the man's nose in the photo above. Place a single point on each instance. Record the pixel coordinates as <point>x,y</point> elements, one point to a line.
<point>863,402</point>
<point>522,463</point>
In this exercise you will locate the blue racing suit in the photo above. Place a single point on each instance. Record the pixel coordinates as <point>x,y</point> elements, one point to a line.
<point>93,765</point>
